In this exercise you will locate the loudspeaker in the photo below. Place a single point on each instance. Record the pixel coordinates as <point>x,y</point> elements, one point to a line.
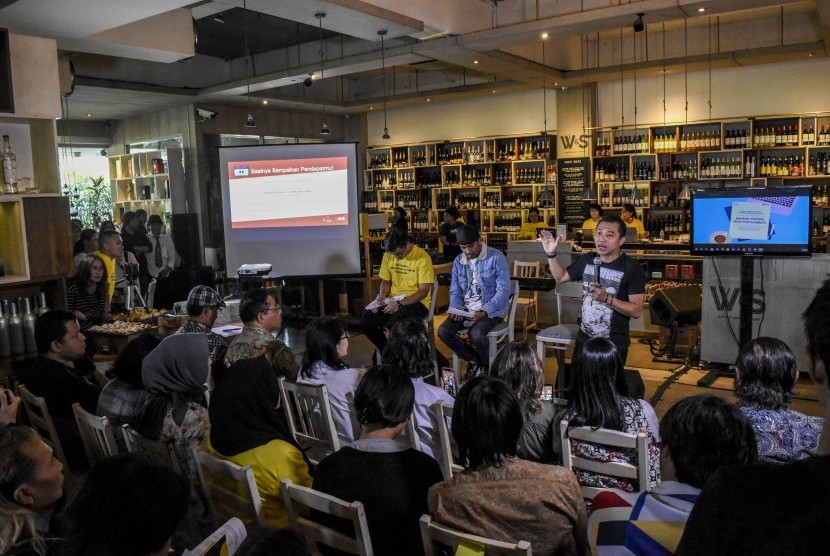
<point>676,306</point>
<point>185,232</point>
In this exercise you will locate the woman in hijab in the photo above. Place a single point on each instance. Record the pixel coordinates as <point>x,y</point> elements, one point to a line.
<point>249,429</point>
<point>174,375</point>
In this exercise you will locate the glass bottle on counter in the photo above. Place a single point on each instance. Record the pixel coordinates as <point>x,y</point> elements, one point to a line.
<point>18,344</point>
<point>9,167</point>
<point>5,340</point>
<point>28,319</point>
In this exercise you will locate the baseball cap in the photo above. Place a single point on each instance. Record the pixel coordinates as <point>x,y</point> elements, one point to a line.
<point>154,219</point>
<point>466,235</point>
<point>204,296</point>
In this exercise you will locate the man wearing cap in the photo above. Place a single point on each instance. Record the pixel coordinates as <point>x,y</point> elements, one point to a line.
<point>262,316</point>
<point>406,278</point>
<point>203,305</point>
<point>481,285</point>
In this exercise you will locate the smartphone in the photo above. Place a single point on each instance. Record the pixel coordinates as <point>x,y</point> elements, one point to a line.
<point>448,381</point>
<point>547,392</point>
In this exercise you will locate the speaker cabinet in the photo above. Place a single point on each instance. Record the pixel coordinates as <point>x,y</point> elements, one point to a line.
<point>185,232</point>
<point>676,306</point>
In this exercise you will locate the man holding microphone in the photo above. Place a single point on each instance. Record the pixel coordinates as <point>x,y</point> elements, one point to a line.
<point>613,285</point>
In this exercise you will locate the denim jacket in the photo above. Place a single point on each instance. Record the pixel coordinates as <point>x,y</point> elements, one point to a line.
<point>494,279</point>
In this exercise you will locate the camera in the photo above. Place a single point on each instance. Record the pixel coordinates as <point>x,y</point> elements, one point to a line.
<point>564,88</point>
<point>130,271</point>
<point>205,114</point>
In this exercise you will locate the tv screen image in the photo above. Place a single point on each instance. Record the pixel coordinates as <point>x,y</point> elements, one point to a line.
<point>762,221</point>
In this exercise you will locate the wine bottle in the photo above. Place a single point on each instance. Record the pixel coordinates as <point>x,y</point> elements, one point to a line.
<point>5,340</point>
<point>9,167</point>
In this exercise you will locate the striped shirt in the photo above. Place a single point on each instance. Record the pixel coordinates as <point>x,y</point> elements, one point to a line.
<point>90,304</point>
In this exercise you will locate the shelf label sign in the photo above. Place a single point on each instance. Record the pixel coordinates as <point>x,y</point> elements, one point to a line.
<point>574,175</point>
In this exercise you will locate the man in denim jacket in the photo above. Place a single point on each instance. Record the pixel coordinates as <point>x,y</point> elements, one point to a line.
<point>480,285</point>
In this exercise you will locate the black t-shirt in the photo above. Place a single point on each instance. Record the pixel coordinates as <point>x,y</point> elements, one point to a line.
<point>621,278</point>
<point>393,488</point>
<point>447,231</point>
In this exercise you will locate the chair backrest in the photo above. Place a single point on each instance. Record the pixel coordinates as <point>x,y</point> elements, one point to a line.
<point>567,291</point>
<point>161,452</point>
<point>229,536</point>
<point>431,313</point>
<point>41,420</point>
<point>432,531</point>
<point>411,433</point>
<point>292,495</point>
<point>429,321</point>
<point>151,292</point>
<point>524,269</point>
<point>309,416</point>
<point>514,302</point>
<point>230,488</point>
<point>638,471</point>
<point>440,412</point>
<point>96,434</point>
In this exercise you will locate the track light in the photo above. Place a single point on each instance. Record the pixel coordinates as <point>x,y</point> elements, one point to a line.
<point>308,81</point>
<point>639,25</point>
<point>325,130</point>
<point>250,121</point>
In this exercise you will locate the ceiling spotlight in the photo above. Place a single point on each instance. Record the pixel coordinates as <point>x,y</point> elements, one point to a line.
<point>219,18</point>
<point>385,134</point>
<point>89,115</point>
<point>103,152</point>
<point>701,10</point>
<point>325,130</point>
<point>475,61</point>
<point>250,121</point>
<point>428,100</point>
<point>639,25</point>
<point>545,35</point>
<point>265,103</point>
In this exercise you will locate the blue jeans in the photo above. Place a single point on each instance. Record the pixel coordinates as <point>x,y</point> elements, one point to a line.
<point>476,348</point>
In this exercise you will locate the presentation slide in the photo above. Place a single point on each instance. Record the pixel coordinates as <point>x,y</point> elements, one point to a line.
<point>281,193</point>
<point>293,206</point>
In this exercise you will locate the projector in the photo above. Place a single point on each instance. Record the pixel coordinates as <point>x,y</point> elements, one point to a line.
<point>254,269</point>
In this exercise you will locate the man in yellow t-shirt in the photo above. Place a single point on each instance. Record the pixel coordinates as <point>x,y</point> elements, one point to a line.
<point>406,276</point>
<point>111,250</point>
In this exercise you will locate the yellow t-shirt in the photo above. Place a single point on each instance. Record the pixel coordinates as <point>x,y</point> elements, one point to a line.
<point>590,224</point>
<point>638,225</point>
<point>529,230</point>
<point>109,264</point>
<point>408,273</point>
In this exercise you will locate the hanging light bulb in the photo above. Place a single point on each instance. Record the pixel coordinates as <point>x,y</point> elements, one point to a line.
<point>250,122</point>
<point>685,193</point>
<point>382,34</point>
<point>623,193</point>
<point>636,196</point>
<point>325,130</point>
<point>588,193</point>
<point>664,191</point>
<point>320,15</point>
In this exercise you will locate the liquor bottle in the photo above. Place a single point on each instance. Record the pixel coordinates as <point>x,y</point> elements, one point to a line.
<point>816,227</point>
<point>825,229</point>
<point>9,167</point>
<point>16,331</point>
<point>5,340</point>
<point>28,319</point>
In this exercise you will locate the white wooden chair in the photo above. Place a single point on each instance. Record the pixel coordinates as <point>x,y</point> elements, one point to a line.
<point>229,537</point>
<point>561,337</point>
<point>230,488</point>
<point>96,435</point>
<point>41,420</point>
<point>293,495</point>
<point>161,452</point>
<point>502,332</point>
<point>522,269</point>
<point>432,531</point>
<point>151,293</point>
<point>411,433</point>
<point>440,412</point>
<point>611,439</point>
<point>429,322</point>
<point>308,412</point>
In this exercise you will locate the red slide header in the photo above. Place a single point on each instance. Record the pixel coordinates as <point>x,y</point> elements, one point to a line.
<point>265,168</point>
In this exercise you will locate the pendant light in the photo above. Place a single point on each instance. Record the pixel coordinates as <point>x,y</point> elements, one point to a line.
<point>685,193</point>
<point>249,122</point>
<point>636,196</point>
<point>320,15</point>
<point>623,193</point>
<point>588,193</point>
<point>382,34</point>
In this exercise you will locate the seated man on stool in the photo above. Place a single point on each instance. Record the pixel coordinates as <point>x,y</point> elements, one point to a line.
<point>481,285</point>
<point>406,270</point>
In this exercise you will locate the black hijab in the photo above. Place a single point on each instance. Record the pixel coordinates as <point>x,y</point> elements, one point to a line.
<point>243,408</point>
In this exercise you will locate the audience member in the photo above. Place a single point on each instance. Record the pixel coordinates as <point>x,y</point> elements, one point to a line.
<point>123,397</point>
<point>77,228</point>
<point>499,495</point>
<point>530,229</point>
<point>405,272</point>
<point>773,508</point>
<point>249,429</point>
<point>594,400</point>
<point>480,285</point>
<point>142,220</point>
<point>380,469</point>
<point>128,505</point>
<point>9,404</point>
<point>326,344</point>
<point>399,219</point>
<point>519,366</point>
<point>86,292</point>
<point>58,375</point>
<point>87,243</point>
<point>105,226</point>
<point>111,251</point>
<point>700,435</point>
<point>135,240</point>
<point>446,233</point>
<point>596,213</point>
<point>31,485</point>
<point>175,374</point>
<point>203,306</point>
<point>268,541</point>
<point>408,349</point>
<point>262,317</point>
<point>764,378</point>
<point>161,261</point>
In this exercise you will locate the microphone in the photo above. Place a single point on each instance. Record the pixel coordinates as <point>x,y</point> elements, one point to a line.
<point>597,264</point>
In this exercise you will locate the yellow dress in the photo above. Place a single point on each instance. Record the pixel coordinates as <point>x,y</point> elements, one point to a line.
<point>529,230</point>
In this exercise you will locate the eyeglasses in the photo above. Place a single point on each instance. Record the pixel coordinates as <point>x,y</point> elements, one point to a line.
<point>344,337</point>
<point>274,308</point>
<point>606,235</point>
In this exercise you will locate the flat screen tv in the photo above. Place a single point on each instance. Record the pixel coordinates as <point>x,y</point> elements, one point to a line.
<point>756,221</point>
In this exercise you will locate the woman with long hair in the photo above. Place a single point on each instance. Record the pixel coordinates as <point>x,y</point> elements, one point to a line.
<point>499,495</point>
<point>519,366</point>
<point>326,344</point>
<point>249,429</point>
<point>408,349</point>
<point>380,469</point>
<point>594,400</point>
<point>86,292</point>
<point>765,374</point>
<point>87,243</point>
